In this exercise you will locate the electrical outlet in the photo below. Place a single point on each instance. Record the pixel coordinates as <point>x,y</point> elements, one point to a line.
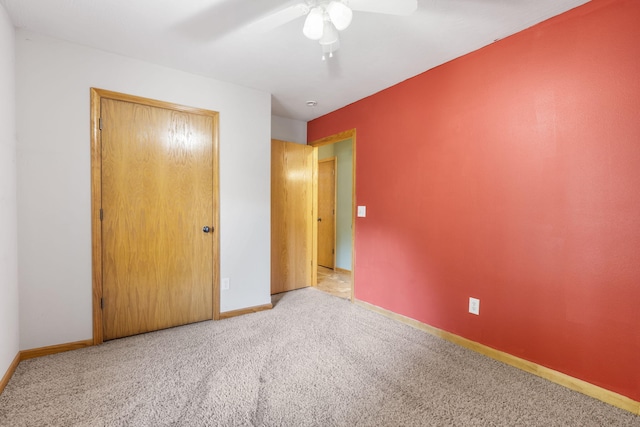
<point>474,306</point>
<point>225,283</point>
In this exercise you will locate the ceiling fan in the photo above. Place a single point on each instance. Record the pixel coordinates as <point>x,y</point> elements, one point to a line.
<point>325,18</point>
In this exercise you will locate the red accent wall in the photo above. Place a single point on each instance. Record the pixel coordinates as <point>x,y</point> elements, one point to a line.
<point>512,175</point>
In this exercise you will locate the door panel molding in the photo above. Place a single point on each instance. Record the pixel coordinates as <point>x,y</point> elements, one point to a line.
<point>96,198</point>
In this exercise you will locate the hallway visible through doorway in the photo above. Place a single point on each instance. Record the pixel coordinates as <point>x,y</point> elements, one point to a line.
<point>337,283</point>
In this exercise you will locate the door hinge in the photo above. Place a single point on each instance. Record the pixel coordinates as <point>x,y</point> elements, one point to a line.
<point>101,303</point>
<point>100,123</point>
<point>101,214</point>
<point>333,251</point>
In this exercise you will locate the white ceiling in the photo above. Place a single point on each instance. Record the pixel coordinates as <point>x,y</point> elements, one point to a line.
<point>215,38</point>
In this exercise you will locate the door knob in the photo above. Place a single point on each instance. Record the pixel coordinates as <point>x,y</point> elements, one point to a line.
<point>206,229</point>
<point>319,219</point>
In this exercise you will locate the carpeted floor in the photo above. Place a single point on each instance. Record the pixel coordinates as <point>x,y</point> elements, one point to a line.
<point>314,360</point>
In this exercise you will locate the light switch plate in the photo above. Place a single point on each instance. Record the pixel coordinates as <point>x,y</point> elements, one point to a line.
<point>225,283</point>
<point>474,306</point>
<point>362,211</point>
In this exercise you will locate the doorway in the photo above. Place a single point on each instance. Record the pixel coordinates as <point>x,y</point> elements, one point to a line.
<point>336,276</point>
<point>155,215</point>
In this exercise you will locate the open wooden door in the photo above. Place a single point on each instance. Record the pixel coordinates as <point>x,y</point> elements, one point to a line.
<point>292,215</point>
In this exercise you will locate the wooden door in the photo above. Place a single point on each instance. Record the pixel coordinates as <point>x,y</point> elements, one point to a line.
<point>157,195</point>
<point>327,212</point>
<point>292,216</point>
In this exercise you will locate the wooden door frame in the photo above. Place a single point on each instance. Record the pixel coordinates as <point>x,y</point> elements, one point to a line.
<point>96,198</point>
<point>333,159</point>
<point>332,139</point>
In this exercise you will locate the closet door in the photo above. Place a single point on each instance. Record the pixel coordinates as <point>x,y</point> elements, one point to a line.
<point>158,217</point>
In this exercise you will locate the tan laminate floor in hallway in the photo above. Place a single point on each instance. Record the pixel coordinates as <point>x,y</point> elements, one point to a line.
<point>336,283</point>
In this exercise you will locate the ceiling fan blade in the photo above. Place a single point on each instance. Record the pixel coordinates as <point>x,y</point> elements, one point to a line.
<point>280,17</point>
<point>389,7</point>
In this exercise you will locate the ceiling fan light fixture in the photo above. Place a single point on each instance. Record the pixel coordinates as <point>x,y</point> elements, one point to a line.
<point>328,49</point>
<point>314,24</point>
<point>329,34</point>
<point>340,14</point>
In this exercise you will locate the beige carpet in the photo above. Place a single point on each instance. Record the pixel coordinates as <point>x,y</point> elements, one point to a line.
<point>314,360</point>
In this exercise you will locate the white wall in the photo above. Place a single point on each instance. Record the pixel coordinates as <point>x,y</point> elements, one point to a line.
<point>325,151</point>
<point>54,227</point>
<point>9,327</point>
<point>343,150</point>
<point>287,129</point>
